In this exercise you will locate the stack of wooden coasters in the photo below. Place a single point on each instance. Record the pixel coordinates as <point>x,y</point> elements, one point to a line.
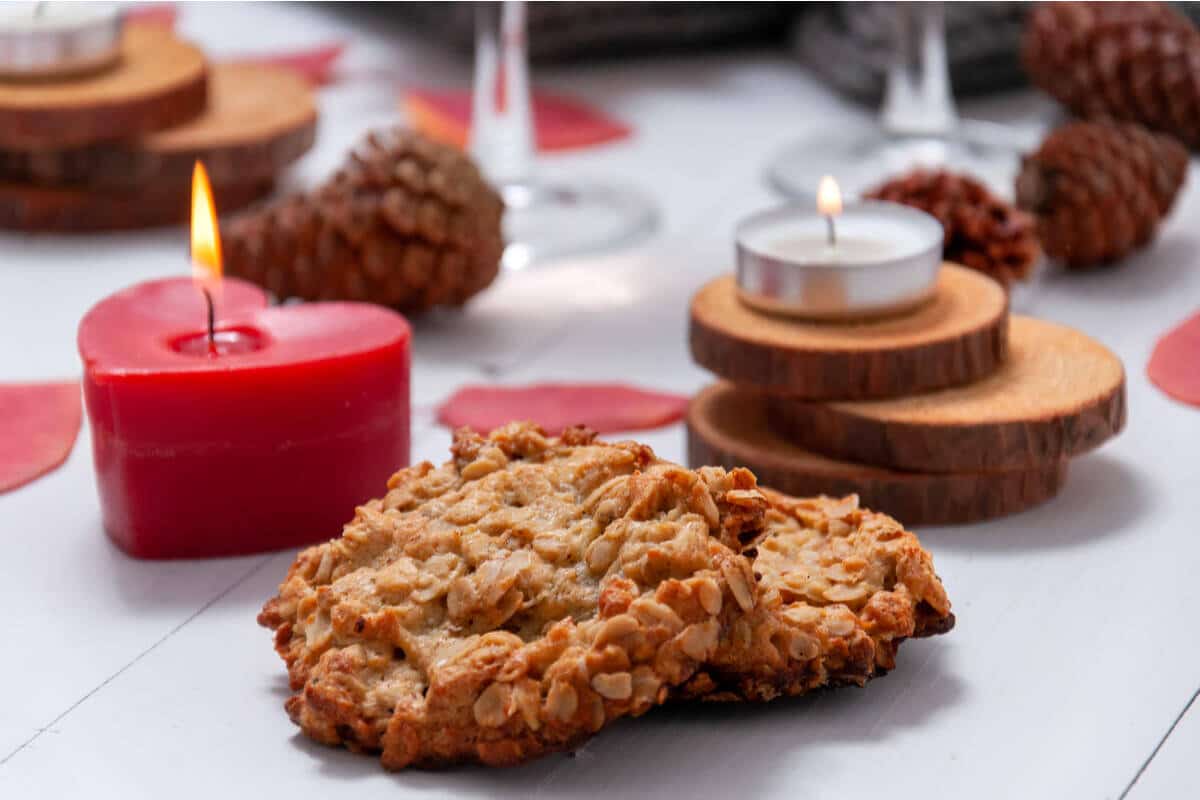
<point>114,148</point>
<point>951,413</point>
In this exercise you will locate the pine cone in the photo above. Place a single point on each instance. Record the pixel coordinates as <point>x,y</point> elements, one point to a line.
<point>407,223</point>
<point>1123,61</point>
<point>1099,189</point>
<point>981,230</point>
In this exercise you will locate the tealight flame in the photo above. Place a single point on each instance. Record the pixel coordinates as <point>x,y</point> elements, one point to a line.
<point>206,240</point>
<point>829,197</point>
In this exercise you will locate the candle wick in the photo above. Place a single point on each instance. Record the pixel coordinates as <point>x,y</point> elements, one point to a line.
<point>212,333</point>
<point>831,230</point>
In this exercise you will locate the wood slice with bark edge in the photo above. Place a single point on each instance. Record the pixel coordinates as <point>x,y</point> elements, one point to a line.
<point>66,210</point>
<point>1057,395</point>
<point>957,337</point>
<point>259,119</point>
<point>728,427</point>
<point>159,82</point>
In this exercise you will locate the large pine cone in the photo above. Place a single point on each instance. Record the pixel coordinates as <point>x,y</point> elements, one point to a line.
<point>407,223</point>
<point>1099,189</point>
<point>1124,61</point>
<point>981,230</point>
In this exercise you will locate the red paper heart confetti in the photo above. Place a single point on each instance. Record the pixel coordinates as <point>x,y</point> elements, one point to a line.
<point>315,64</point>
<point>1175,363</point>
<point>603,407</point>
<point>162,14</point>
<point>38,426</point>
<point>560,123</point>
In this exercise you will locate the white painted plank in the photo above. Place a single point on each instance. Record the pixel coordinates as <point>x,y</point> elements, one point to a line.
<point>80,609</point>
<point>1173,771</point>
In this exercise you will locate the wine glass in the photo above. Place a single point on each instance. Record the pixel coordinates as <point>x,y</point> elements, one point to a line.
<point>918,124</point>
<point>543,220</point>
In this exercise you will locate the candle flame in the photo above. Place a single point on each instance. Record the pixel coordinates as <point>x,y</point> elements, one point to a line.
<point>829,197</point>
<point>206,239</point>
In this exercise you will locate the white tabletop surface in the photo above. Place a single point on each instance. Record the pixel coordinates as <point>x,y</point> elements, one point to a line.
<point>1077,648</point>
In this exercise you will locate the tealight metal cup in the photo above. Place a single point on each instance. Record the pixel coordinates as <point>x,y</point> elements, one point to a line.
<point>86,39</point>
<point>816,287</point>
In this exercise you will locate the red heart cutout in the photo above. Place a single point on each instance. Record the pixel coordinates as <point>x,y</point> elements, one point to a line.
<point>1175,363</point>
<point>38,426</point>
<point>270,444</point>
<point>164,15</point>
<point>560,123</point>
<point>315,65</point>
<point>603,407</point>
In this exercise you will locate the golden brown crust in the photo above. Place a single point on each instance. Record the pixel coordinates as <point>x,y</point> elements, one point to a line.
<point>513,601</point>
<point>839,588</point>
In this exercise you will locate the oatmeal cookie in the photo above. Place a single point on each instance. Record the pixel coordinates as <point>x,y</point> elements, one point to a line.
<point>838,588</point>
<point>513,601</point>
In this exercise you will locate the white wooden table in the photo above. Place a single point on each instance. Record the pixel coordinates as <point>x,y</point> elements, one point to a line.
<point>1077,650</point>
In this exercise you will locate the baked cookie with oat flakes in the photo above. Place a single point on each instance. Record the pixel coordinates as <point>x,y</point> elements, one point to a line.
<point>515,600</point>
<point>838,589</point>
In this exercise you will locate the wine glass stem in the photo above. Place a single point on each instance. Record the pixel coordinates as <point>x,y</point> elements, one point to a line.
<point>917,99</point>
<point>501,115</point>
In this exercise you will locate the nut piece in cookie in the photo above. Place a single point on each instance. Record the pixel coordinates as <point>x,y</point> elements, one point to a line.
<point>513,601</point>
<point>838,589</point>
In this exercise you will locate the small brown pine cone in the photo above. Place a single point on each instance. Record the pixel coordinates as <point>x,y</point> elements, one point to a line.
<point>981,230</point>
<point>407,222</point>
<point>1123,61</point>
<point>1099,189</point>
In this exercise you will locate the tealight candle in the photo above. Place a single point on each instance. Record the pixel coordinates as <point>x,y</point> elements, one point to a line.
<point>54,40</point>
<point>866,259</point>
<point>233,427</point>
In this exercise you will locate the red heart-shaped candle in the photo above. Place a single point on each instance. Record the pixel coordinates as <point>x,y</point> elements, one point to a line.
<point>300,414</point>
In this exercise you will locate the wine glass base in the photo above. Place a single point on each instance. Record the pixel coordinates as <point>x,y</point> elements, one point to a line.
<point>862,162</point>
<point>548,221</point>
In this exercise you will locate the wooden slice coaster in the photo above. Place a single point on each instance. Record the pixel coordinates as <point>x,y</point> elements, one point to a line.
<point>67,210</point>
<point>1058,394</point>
<point>259,119</point>
<point>728,427</point>
<point>957,337</point>
<point>159,82</point>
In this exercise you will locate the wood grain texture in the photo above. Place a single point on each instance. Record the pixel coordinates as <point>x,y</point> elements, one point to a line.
<point>67,210</point>
<point>728,427</point>
<point>958,337</point>
<point>159,82</point>
<point>259,119</point>
<point>1057,395</point>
